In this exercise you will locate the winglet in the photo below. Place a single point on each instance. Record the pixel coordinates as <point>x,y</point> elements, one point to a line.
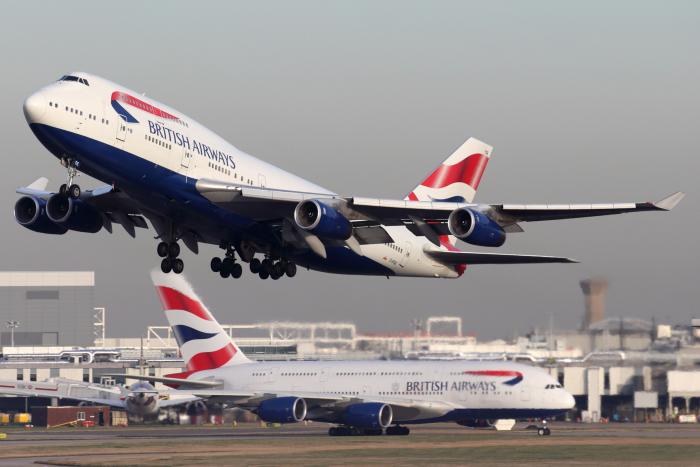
<point>670,202</point>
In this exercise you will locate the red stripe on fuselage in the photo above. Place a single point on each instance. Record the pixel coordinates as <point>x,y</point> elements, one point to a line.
<point>211,360</point>
<point>175,300</point>
<point>493,373</point>
<point>468,170</point>
<point>139,104</point>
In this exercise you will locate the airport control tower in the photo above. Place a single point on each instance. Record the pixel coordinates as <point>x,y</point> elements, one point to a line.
<point>594,291</point>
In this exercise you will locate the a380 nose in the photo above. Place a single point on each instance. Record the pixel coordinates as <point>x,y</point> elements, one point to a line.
<point>35,107</point>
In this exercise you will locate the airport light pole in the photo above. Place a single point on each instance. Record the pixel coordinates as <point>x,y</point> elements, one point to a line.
<point>12,324</point>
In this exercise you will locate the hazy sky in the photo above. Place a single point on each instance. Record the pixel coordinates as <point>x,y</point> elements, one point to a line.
<point>583,102</point>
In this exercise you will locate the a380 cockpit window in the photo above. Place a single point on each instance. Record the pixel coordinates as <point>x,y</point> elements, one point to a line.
<point>74,78</point>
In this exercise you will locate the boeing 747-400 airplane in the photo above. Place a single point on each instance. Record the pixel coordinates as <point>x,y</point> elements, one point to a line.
<point>195,187</point>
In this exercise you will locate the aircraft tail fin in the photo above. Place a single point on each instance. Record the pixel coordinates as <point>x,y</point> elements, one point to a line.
<point>458,177</point>
<point>203,342</point>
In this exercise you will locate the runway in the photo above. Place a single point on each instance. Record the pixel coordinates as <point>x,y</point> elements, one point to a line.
<point>633,444</point>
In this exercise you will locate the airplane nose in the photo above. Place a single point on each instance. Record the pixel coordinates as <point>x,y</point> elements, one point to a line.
<point>569,401</point>
<point>34,107</point>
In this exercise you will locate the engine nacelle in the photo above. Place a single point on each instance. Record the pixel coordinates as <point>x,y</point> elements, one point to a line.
<point>368,415</point>
<point>30,212</point>
<point>73,214</point>
<point>475,227</point>
<point>282,410</point>
<point>322,220</point>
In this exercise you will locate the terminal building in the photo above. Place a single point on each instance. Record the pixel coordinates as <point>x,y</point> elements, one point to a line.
<point>47,308</point>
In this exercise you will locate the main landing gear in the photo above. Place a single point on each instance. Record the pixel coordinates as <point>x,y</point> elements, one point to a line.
<point>170,251</point>
<point>227,266</point>
<point>344,430</point>
<point>273,269</point>
<point>69,188</point>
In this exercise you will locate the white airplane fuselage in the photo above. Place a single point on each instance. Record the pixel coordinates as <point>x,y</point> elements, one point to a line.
<point>473,389</point>
<point>157,154</point>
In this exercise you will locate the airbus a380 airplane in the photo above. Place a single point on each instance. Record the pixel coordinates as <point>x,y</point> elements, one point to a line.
<point>194,186</point>
<point>361,397</point>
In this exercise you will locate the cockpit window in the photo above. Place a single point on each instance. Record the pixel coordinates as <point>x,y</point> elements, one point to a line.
<point>74,78</point>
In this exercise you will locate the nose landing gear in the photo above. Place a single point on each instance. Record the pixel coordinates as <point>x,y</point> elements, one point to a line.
<point>69,188</point>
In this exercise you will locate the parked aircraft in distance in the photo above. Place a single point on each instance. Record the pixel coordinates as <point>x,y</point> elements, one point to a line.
<point>140,400</point>
<point>194,186</point>
<point>357,397</point>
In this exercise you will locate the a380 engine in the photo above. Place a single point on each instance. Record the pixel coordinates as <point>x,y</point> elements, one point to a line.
<point>322,220</point>
<point>30,212</point>
<point>475,227</point>
<point>370,415</point>
<point>282,410</point>
<point>73,214</point>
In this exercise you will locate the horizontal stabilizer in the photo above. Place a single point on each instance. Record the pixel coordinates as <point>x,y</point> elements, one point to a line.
<point>470,257</point>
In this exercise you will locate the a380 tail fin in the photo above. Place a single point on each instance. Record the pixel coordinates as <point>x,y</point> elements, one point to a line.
<point>457,179</point>
<point>203,342</point>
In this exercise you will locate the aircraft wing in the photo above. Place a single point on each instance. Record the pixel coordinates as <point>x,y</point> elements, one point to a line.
<point>179,382</point>
<point>163,403</point>
<point>321,405</point>
<point>469,257</point>
<point>21,389</point>
<point>281,203</point>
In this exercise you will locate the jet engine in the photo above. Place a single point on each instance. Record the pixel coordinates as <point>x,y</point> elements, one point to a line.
<point>322,220</point>
<point>30,212</point>
<point>368,415</point>
<point>282,410</point>
<point>73,214</point>
<point>475,227</point>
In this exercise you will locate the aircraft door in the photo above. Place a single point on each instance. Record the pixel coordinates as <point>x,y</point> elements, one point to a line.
<point>525,394</point>
<point>186,158</point>
<point>121,130</point>
<point>262,181</point>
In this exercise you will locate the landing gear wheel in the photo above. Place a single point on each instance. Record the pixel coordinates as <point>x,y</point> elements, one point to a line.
<point>215,264</point>
<point>278,269</point>
<point>255,265</point>
<point>227,265</point>
<point>63,189</point>
<point>267,266</point>
<point>263,274</point>
<point>290,269</point>
<point>174,250</point>
<point>236,271</point>
<point>397,431</point>
<point>74,191</point>
<point>547,432</point>
<point>178,266</point>
<point>224,273</point>
<point>166,266</point>
<point>541,431</point>
<point>162,249</point>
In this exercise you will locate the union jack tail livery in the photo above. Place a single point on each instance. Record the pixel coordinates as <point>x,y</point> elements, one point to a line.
<point>457,179</point>
<point>203,342</point>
